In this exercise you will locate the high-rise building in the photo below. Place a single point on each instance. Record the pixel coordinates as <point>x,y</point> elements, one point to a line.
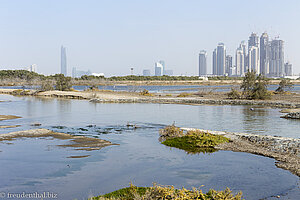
<point>276,58</point>
<point>243,46</point>
<point>202,63</point>
<point>264,54</point>
<point>221,59</point>
<point>146,72</point>
<point>33,68</point>
<point>228,64</point>
<point>63,66</point>
<point>239,61</point>
<point>254,59</point>
<point>159,69</point>
<point>74,72</point>
<point>288,69</point>
<point>169,72</point>
<point>253,40</point>
<point>253,54</point>
<point>164,66</point>
<point>215,62</point>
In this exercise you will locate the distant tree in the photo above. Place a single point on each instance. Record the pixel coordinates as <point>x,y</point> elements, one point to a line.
<point>47,85</point>
<point>255,87</point>
<point>62,83</point>
<point>283,85</point>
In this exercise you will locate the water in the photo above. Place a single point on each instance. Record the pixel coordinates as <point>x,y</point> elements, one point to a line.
<point>39,165</point>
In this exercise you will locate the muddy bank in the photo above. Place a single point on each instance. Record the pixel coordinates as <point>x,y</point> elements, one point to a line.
<point>132,97</point>
<point>9,126</point>
<point>76,142</point>
<point>7,117</point>
<point>286,151</point>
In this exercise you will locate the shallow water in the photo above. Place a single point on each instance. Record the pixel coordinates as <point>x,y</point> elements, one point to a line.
<point>33,164</point>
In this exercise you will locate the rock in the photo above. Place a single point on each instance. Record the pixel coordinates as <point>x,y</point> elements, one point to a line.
<point>294,115</point>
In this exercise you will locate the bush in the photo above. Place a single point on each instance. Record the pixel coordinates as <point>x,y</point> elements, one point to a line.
<point>284,85</point>
<point>157,192</point>
<point>184,94</point>
<point>62,83</point>
<point>145,93</point>
<point>234,94</point>
<point>47,86</point>
<point>255,87</point>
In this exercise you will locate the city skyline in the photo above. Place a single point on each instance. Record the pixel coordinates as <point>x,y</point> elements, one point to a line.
<point>110,37</point>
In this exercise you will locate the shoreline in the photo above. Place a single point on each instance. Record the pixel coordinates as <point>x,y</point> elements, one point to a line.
<point>133,97</point>
<point>286,151</point>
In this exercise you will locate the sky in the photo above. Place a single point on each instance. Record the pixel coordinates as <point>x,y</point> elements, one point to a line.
<point>112,36</point>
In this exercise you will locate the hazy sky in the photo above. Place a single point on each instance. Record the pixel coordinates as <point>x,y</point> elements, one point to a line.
<point>110,36</point>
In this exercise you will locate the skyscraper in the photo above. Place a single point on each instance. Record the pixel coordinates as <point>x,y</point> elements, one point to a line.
<point>146,72</point>
<point>164,66</point>
<point>221,57</point>
<point>243,46</point>
<point>254,59</point>
<point>264,54</point>
<point>159,68</point>
<point>276,58</point>
<point>253,54</point>
<point>202,63</point>
<point>288,69</point>
<point>215,62</point>
<point>228,64</point>
<point>63,64</point>
<point>239,61</point>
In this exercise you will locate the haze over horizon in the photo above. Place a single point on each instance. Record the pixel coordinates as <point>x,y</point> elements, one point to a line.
<point>110,37</point>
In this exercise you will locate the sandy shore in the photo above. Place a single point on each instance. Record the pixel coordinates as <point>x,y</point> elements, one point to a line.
<point>279,101</point>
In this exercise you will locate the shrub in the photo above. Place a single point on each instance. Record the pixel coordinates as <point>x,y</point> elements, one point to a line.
<point>284,85</point>
<point>170,132</point>
<point>47,85</point>
<point>157,192</point>
<point>62,83</point>
<point>255,87</point>
<point>184,94</point>
<point>234,94</point>
<point>145,93</point>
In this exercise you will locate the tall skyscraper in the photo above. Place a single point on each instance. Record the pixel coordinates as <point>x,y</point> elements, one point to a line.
<point>164,66</point>
<point>221,59</point>
<point>254,59</point>
<point>264,54</point>
<point>288,69</point>
<point>63,64</point>
<point>159,69</point>
<point>215,62</point>
<point>277,58</point>
<point>243,46</point>
<point>33,68</point>
<point>253,53</point>
<point>202,63</point>
<point>228,64</point>
<point>239,61</point>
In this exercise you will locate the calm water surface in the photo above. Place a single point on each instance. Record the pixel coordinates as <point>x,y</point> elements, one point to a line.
<point>39,165</point>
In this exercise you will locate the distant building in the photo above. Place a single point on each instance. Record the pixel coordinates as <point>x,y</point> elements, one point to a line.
<point>159,69</point>
<point>164,66</point>
<point>276,58</point>
<point>98,74</point>
<point>254,59</point>
<point>239,62</point>
<point>202,63</point>
<point>288,69</point>
<point>77,73</point>
<point>232,71</point>
<point>146,72</point>
<point>221,59</point>
<point>63,66</point>
<point>228,64</point>
<point>243,47</point>
<point>169,72</point>
<point>215,62</point>
<point>264,54</point>
<point>33,68</point>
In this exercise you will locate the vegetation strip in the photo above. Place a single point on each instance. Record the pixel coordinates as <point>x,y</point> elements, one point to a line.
<point>167,192</point>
